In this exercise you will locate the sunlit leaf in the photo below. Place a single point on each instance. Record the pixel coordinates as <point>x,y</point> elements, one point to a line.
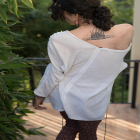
<point>28,3</point>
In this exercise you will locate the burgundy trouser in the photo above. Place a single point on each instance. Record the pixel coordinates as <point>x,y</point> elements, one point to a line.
<point>87,129</point>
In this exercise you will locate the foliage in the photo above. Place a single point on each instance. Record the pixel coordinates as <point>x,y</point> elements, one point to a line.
<point>122,10</point>
<point>37,27</point>
<point>12,76</point>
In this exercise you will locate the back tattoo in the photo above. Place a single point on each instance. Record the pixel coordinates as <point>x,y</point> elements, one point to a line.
<point>97,34</point>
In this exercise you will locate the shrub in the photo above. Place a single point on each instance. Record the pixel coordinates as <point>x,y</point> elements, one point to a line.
<point>13,97</point>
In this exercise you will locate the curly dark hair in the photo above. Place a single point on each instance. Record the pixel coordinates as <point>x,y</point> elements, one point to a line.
<point>88,9</point>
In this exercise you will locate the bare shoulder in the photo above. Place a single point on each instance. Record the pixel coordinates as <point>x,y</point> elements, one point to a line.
<point>125,34</point>
<point>124,28</point>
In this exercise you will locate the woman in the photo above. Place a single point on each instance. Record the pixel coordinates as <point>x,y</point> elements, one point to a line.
<point>84,65</point>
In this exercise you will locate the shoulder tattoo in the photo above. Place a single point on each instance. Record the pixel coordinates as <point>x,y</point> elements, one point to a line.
<point>97,34</point>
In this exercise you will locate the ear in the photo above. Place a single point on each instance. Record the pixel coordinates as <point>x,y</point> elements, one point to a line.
<point>76,16</point>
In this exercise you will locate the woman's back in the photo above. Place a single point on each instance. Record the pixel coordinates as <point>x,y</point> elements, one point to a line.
<point>118,37</point>
<point>89,74</point>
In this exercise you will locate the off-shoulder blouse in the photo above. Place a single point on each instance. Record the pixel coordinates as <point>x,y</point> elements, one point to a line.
<point>80,77</point>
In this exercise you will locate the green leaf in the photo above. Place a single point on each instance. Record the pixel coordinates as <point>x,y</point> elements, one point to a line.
<point>22,128</point>
<point>15,7</point>
<point>28,3</point>
<point>14,116</point>
<point>9,2</point>
<point>7,53</point>
<point>4,119</point>
<point>6,128</point>
<point>20,95</point>
<point>24,72</point>
<point>3,14</point>
<point>10,48</point>
<point>6,35</point>
<point>13,78</point>
<point>20,136</point>
<point>13,66</point>
<point>3,24</point>
<point>9,17</point>
<point>34,131</point>
<point>26,111</point>
<point>20,14</point>
<point>3,85</point>
<point>15,33</point>
<point>13,23</point>
<point>18,120</point>
<point>3,58</point>
<point>2,39</point>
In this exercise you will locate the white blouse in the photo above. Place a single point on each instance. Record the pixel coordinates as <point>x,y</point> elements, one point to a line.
<point>80,77</point>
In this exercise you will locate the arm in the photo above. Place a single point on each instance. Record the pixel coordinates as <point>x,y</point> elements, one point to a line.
<point>52,76</point>
<point>62,59</point>
<point>62,55</point>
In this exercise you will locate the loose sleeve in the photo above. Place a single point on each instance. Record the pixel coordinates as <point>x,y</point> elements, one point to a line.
<point>61,61</point>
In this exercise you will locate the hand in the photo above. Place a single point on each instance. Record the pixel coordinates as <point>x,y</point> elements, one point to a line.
<point>36,102</point>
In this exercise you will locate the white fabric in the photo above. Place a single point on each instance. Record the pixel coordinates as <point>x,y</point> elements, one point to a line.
<point>80,78</point>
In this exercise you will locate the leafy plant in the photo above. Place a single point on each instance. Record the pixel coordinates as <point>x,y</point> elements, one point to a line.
<point>12,77</point>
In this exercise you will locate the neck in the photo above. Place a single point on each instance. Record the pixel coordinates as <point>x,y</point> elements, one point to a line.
<point>81,24</point>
